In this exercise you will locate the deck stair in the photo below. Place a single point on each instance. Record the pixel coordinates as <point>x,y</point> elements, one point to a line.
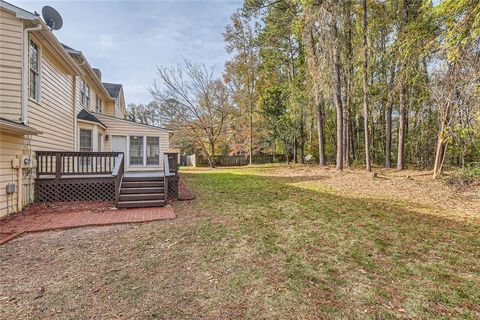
<point>142,191</point>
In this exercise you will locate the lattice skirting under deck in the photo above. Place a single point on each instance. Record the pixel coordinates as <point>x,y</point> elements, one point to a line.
<point>75,189</point>
<point>172,191</point>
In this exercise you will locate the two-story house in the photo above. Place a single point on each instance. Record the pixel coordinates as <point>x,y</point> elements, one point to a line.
<point>63,132</point>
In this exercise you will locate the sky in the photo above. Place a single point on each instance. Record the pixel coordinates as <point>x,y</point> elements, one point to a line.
<point>127,40</point>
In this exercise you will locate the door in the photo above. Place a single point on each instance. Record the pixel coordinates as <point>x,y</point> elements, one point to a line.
<point>119,144</point>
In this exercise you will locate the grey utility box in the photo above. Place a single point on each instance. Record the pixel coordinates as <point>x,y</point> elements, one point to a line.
<point>10,188</point>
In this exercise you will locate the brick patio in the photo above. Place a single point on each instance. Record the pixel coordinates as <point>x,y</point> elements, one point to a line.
<point>54,221</point>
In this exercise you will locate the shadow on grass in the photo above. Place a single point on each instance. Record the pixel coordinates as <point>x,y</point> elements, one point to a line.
<point>353,253</point>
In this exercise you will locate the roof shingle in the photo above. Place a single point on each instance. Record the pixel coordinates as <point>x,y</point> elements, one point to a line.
<point>87,116</point>
<point>113,89</point>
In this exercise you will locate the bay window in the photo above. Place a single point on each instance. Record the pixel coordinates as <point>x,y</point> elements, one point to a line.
<point>86,144</point>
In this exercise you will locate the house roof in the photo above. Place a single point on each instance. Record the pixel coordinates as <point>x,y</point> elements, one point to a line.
<point>84,65</point>
<point>12,126</point>
<point>71,50</point>
<point>112,88</point>
<point>19,12</point>
<point>87,116</point>
<point>101,115</point>
<point>45,32</point>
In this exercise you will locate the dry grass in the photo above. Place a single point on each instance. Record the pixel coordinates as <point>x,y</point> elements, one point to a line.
<point>269,242</point>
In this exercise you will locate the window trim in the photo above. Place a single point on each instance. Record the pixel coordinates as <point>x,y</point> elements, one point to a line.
<point>88,93</point>
<point>98,104</point>
<point>85,94</point>
<point>82,92</point>
<point>38,72</point>
<point>144,164</point>
<point>158,141</point>
<point>80,139</point>
<point>130,151</point>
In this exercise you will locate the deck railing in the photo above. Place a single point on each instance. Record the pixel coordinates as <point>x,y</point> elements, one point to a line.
<point>171,163</point>
<point>118,174</point>
<point>60,163</point>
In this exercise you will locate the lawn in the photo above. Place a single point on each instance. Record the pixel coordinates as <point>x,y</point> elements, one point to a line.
<point>268,242</point>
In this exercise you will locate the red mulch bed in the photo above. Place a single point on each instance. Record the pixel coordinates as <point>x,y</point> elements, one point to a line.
<point>183,192</point>
<point>11,225</point>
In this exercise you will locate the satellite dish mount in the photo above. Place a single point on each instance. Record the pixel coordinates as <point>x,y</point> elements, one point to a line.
<point>52,18</point>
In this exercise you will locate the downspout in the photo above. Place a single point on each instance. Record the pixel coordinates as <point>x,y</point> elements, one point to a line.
<point>25,72</point>
<point>75,127</point>
<point>74,100</point>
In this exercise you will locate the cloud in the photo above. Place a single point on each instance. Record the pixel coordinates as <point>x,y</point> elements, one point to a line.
<point>106,41</point>
<point>143,34</point>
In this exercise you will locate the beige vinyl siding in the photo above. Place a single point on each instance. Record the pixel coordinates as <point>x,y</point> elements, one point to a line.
<point>117,127</point>
<point>120,107</point>
<point>53,115</point>
<point>12,147</point>
<point>109,108</point>
<point>92,107</point>
<point>11,51</point>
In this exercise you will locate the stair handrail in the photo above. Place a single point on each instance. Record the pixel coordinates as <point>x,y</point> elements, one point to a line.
<point>117,172</point>
<point>166,174</point>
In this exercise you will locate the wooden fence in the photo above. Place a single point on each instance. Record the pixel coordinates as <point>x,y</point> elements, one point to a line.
<point>236,161</point>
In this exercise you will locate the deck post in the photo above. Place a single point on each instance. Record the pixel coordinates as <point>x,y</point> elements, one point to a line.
<point>58,165</point>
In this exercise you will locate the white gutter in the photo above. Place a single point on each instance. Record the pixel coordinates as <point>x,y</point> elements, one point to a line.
<point>25,72</point>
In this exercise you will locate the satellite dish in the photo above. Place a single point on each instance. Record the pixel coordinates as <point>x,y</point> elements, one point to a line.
<point>52,18</point>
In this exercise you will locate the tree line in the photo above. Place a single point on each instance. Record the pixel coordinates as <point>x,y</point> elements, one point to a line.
<point>355,82</point>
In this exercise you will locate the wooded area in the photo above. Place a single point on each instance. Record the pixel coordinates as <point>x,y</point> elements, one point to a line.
<point>349,82</point>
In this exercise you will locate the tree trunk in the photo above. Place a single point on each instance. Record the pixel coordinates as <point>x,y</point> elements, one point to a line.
<point>295,147</point>
<point>251,135</point>
<point>401,128</point>
<point>321,137</point>
<point>439,155</point>
<point>212,158</point>
<point>388,135</point>
<point>441,145</point>
<point>348,87</point>
<point>302,140</point>
<point>287,157</point>
<point>402,125</point>
<point>368,166</point>
<point>338,102</point>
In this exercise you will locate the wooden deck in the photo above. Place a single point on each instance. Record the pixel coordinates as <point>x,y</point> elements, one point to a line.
<point>100,176</point>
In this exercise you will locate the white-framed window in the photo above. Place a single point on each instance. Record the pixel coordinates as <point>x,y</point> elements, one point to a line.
<point>153,151</point>
<point>84,94</point>
<point>99,105</point>
<point>34,71</point>
<point>136,151</point>
<point>87,96</point>
<point>86,140</point>
<point>100,142</point>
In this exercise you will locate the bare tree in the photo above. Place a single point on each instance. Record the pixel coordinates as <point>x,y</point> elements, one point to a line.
<point>144,113</point>
<point>454,89</point>
<point>365,86</point>
<point>192,100</point>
